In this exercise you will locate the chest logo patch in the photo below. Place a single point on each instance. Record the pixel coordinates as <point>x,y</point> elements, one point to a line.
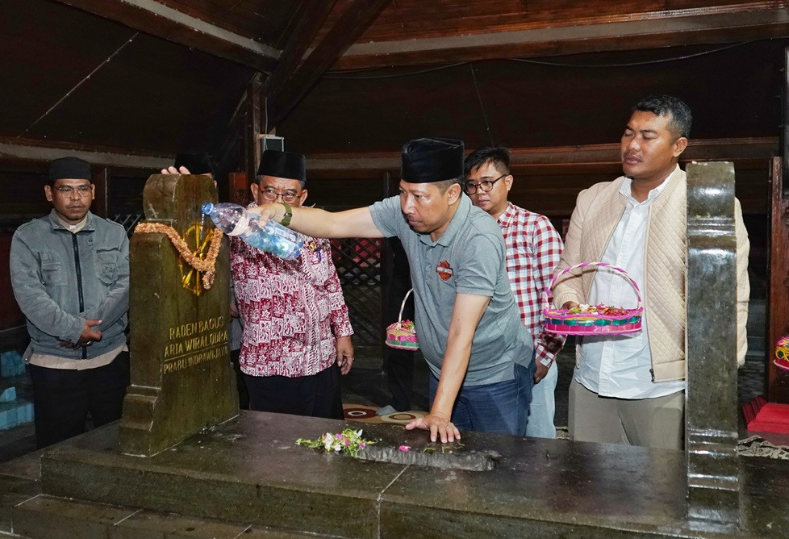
<point>315,248</point>
<point>444,271</point>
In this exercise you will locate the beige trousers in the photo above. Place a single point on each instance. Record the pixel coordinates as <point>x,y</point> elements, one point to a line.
<point>654,422</point>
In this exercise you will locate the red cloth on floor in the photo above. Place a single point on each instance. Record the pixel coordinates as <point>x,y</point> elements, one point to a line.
<point>763,416</point>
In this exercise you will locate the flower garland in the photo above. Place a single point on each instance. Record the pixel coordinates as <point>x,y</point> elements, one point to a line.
<point>205,266</point>
<point>348,441</point>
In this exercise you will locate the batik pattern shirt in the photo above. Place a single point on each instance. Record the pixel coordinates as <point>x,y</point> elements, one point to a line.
<point>289,309</point>
<point>534,249</point>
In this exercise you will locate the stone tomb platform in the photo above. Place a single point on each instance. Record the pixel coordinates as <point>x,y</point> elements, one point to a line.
<point>248,472</point>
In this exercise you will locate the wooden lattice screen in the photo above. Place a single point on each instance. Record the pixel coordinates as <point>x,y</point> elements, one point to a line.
<point>358,262</point>
<point>128,220</point>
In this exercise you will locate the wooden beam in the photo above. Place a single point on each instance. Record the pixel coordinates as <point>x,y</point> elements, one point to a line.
<point>346,30</point>
<point>303,34</point>
<point>638,31</point>
<point>34,150</point>
<point>595,157</point>
<point>167,23</point>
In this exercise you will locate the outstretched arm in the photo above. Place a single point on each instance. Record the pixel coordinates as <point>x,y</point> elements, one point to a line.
<point>356,223</point>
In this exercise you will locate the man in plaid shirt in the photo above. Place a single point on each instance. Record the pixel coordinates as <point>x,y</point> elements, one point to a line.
<point>533,252</point>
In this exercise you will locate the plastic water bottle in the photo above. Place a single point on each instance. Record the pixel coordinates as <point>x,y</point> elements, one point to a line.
<point>235,220</point>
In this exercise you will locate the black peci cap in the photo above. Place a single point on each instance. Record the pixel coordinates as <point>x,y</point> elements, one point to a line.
<point>290,165</point>
<point>426,160</point>
<point>68,168</point>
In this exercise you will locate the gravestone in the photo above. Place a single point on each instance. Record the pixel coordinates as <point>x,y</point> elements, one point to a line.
<point>713,490</point>
<point>182,380</point>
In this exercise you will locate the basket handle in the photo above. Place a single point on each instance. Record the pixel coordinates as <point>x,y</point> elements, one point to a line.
<point>592,264</point>
<point>402,306</point>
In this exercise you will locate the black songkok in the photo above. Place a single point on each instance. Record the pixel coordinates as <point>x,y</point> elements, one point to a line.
<point>427,160</point>
<point>195,163</point>
<point>68,168</point>
<point>289,165</point>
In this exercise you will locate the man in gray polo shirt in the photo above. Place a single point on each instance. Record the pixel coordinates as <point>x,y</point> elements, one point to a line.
<point>480,355</point>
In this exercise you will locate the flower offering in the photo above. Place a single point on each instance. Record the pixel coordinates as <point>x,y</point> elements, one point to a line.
<point>348,441</point>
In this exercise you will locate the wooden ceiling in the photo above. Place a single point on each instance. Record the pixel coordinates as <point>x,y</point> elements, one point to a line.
<point>159,75</point>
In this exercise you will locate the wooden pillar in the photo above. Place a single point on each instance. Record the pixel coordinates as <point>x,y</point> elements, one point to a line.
<point>238,188</point>
<point>778,279</point>
<point>778,252</point>
<point>101,201</point>
<point>253,127</point>
<point>784,134</point>
<point>387,266</point>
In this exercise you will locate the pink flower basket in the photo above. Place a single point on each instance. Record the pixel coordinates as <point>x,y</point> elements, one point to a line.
<point>601,320</point>
<point>782,353</point>
<point>402,334</point>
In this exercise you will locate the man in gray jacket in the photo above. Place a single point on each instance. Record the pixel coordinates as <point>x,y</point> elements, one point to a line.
<point>70,275</point>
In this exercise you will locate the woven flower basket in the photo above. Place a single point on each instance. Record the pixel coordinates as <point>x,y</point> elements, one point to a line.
<point>616,322</point>
<point>402,334</point>
<point>782,353</point>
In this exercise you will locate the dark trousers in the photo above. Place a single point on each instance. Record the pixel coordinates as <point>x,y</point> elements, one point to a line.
<point>400,377</point>
<point>501,407</point>
<point>317,395</point>
<point>62,398</point>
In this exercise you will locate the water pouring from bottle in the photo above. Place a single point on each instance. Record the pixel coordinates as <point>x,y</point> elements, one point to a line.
<point>234,220</point>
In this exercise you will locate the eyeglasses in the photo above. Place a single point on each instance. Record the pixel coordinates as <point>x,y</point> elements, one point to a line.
<point>486,185</point>
<point>82,190</point>
<point>271,195</point>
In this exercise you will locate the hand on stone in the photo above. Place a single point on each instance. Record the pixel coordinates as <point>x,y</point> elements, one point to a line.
<point>344,354</point>
<point>89,335</point>
<point>438,425</point>
<point>173,170</point>
<point>540,371</point>
<point>569,305</point>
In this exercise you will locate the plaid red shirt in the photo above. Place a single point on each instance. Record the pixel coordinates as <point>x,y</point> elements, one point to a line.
<point>288,308</point>
<point>533,252</point>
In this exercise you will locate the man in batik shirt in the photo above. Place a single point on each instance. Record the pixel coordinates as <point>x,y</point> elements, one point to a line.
<point>297,335</point>
<point>534,249</point>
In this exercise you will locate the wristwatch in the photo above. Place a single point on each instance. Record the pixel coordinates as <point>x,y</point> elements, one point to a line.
<point>288,214</point>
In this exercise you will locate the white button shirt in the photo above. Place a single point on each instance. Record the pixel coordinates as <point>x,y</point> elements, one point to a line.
<point>619,366</point>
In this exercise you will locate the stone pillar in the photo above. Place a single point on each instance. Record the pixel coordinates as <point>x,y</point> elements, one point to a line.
<point>182,380</point>
<point>711,348</point>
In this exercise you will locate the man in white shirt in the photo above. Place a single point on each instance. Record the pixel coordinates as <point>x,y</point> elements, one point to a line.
<point>630,388</point>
